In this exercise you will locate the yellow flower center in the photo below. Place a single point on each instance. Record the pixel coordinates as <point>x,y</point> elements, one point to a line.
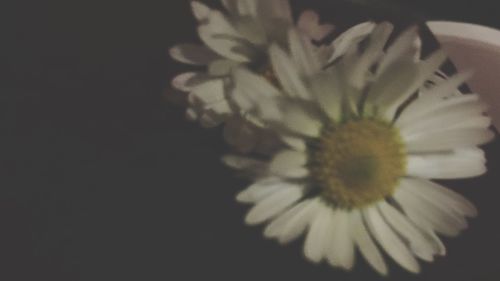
<point>358,162</point>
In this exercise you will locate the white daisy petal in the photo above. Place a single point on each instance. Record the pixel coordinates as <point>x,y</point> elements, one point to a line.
<point>274,204</point>
<point>259,190</point>
<point>341,250</point>
<point>431,235</point>
<point>292,223</point>
<point>365,243</point>
<point>301,121</point>
<point>193,54</point>
<point>215,113</point>
<point>255,84</point>
<point>403,44</point>
<point>221,108</point>
<point>483,122</point>
<point>275,228</point>
<point>254,32</point>
<point>243,163</point>
<point>447,197</point>
<point>430,218</point>
<point>447,140</point>
<point>326,88</point>
<point>360,69</point>
<point>298,224</point>
<point>308,23</point>
<point>318,237</point>
<point>221,67</point>
<point>393,83</point>
<point>431,64</point>
<point>427,105</point>
<point>200,11</point>
<point>293,173</point>
<point>324,52</point>
<point>419,244</point>
<point>211,91</point>
<point>416,49</point>
<point>391,243</point>
<point>426,70</point>
<point>449,117</point>
<point>253,91</point>
<point>268,109</point>
<point>429,211</point>
<point>182,81</point>
<point>303,53</point>
<point>286,72</point>
<point>350,37</point>
<point>219,34</point>
<point>289,162</point>
<point>242,100</point>
<point>295,143</point>
<point>458,164</point>
<point>422,223</point>
<point>247,7</point>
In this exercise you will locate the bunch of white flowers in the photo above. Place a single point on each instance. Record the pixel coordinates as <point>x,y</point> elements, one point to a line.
<point>340,140</point>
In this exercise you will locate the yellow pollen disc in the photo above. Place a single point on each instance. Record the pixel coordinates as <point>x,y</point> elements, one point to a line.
<point>358,163</point>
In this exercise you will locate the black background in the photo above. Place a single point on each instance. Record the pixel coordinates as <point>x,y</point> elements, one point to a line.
<point>101,178</point>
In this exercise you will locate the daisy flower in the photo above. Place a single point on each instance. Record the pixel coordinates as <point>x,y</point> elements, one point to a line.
<point>239,36</point>
<point>366,135</point>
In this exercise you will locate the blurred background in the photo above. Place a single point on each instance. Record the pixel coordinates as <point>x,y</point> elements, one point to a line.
<point>102,178</point>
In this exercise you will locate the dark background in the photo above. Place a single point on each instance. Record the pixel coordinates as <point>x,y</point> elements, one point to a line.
<point>101,178</point>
